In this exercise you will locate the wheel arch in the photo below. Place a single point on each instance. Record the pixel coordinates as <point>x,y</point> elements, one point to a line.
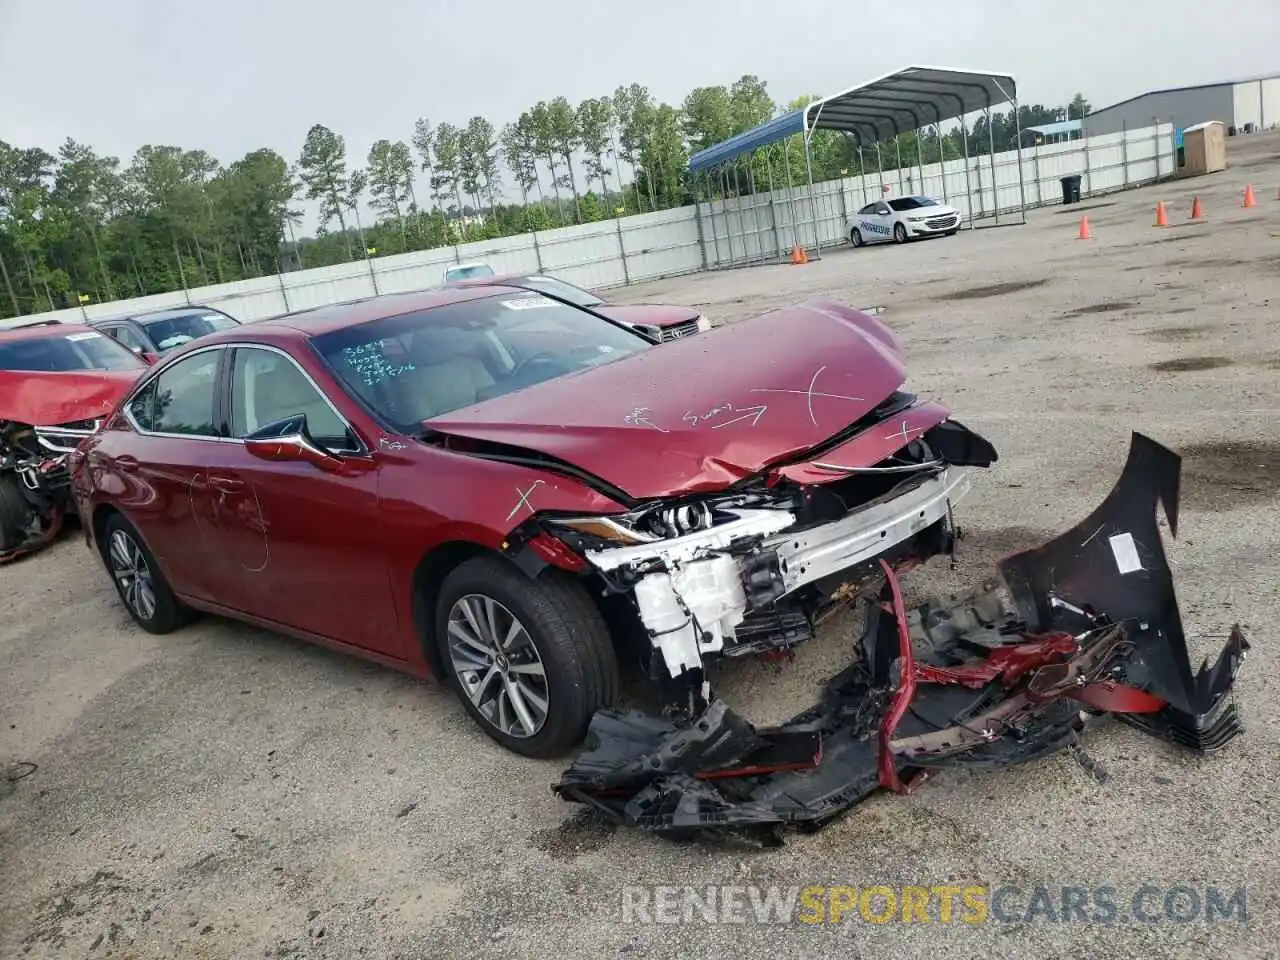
<point>98,521</point>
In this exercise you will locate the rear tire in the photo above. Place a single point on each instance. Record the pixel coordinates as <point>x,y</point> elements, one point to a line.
<point>855,237</point>
<point>142,586</point>
<point>15,514</point>
<point>530,658</point>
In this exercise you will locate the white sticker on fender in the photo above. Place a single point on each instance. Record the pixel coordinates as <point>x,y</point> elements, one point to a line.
<point>1126,553</point>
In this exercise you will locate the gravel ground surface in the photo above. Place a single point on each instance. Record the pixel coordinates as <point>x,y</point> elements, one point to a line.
<point>226,792</point>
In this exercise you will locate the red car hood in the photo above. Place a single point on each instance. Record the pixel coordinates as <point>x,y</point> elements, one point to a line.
<point>701,413</point>
<point>658,314</point>
<point>47,399</point>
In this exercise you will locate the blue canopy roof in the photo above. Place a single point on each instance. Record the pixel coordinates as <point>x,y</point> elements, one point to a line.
<point>1053,129</point>
<point>906,99</point>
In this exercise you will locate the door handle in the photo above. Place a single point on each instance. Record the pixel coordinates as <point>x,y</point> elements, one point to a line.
<point>226,484</point>
<point>127,464</point>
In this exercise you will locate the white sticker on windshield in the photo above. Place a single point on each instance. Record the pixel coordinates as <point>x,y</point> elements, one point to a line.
<point>87,335</point>
<point>1126,553</point>
<point>528,303</point>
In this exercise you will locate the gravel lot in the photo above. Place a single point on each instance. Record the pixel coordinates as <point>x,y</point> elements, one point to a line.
<point>226,792</point>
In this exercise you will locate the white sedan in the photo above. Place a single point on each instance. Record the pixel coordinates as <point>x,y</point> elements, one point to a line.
<point>902,219</point>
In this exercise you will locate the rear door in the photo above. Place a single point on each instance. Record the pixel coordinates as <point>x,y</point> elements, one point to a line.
<point>301,545</point>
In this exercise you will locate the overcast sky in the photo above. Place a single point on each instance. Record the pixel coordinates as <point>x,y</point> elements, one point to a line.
<point>236,75</point>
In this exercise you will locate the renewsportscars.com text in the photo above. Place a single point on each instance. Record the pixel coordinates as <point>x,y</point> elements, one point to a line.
<point>940,903</point>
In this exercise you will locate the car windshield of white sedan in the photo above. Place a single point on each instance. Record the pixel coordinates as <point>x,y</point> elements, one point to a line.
<point>418,366</point>
<point>173,331</point>
<point>912,203</point>
<point>83,350</point>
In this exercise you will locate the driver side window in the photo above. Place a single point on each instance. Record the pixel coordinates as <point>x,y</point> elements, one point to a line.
<point>267,387</point>
<point>868,210</point>
<point>130,339</point>
<point>883,210</point>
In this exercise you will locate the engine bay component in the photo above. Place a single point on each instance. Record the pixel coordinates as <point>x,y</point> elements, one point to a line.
<point>1079,630</point>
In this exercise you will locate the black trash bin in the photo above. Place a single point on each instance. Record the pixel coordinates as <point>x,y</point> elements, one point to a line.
<point>1071,189</point>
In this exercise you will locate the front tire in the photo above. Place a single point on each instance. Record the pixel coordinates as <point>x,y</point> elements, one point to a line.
<point>899,233</point>
<point>530,658</point>
<point>142,586</point>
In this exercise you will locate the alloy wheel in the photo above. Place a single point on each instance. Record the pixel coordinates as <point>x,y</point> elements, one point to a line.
<point>132,574</point>
<point>498,665</point>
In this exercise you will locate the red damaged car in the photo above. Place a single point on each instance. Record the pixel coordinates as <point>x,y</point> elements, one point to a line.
<point>508,490</point>
<point>658,321</point>
<point>57,381</point>
<point>518,495</point>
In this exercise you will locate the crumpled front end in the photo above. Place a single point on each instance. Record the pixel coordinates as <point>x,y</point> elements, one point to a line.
<point>1079,630</point>
<point>755,567</point>
<point>44,416</point>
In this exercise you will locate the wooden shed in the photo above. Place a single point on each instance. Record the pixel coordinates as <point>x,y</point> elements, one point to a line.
<point>1205,148</point>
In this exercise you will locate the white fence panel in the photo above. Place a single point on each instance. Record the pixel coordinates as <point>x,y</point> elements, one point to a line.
<point>752,229</point>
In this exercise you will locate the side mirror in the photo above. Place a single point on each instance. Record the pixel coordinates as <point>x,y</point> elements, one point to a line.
<point>290,440</point>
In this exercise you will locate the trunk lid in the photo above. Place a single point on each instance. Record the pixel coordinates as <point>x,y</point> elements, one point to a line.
<point>698,414</point>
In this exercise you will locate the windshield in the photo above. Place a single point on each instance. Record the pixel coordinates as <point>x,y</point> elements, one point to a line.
<point>912,203</point>
<point>565,291</point>
<point>468,272</point>
<point>417,366</point>
<point>173,331</point>
<point>83,350</point>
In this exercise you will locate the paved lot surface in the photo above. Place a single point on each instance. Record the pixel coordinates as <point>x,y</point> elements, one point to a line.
<point>226,792</point>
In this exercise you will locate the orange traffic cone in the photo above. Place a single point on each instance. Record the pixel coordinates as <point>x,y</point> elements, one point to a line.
<point>1197,211</point>
<point>1085,232</point>
<point>1249,200</point>
<point>795,254</point>
<point>1162,219</point>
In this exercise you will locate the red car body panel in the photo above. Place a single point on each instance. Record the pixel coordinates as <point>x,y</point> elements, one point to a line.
<point>871,446</point>
<point>705,412</point>
<point>655,314</point>
<point>49,398</point>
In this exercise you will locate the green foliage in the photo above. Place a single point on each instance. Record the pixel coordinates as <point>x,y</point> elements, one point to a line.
<point>79,224</point>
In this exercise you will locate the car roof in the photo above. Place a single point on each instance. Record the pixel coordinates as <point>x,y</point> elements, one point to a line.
<point>500,278</point>
<point>317,321</point>
<point>36,331</point>
<point>161,313</point>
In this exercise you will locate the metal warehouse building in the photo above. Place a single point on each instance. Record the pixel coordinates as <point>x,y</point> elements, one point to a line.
<point>1237,103</point>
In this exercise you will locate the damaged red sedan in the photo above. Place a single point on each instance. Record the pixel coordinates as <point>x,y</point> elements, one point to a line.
<point>521,496</point>
<point>503,488</point>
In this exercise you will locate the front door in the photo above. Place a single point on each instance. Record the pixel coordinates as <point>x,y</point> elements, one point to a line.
<point>305,543</point>
<point>162,476</point>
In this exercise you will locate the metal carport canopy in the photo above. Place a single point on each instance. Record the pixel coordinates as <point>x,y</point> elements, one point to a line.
<point>895,103</point>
